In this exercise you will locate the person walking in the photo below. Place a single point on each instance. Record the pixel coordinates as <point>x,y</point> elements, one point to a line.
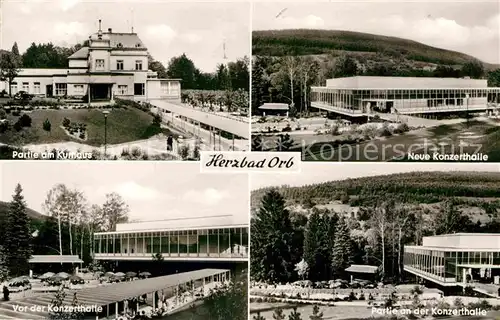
<point>170,142</point>
<point>6,293</point>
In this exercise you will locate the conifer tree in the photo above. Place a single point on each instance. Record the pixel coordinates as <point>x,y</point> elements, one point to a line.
<point>342,252</point>
<point>318,247</point>
<point>17,236</point>
<point>273,243</point>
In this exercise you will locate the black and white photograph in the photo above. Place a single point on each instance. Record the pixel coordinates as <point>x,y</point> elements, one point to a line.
<point>133,80</point>
<point>377,80</point>
<point>162,241</point>
<point>386,241</point>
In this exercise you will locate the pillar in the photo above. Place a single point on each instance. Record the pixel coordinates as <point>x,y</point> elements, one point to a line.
<point>116,310</point>
<point>154,300</point>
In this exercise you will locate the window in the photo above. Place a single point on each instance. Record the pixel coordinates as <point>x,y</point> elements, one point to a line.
<point>138,65</point>
<point>119,45</point>
<point>122,89</point>
<point>137,45</point>
<point>139,89</point>
<point>13,87</point>
<point>99,64</point>
<point>26,86</point>
<point>61,89</point>
<point>119,65</point>
<point>78,88</point>
<point>37,87</point>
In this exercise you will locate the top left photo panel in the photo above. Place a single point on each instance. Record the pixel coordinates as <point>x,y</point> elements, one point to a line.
<point>136,80</point>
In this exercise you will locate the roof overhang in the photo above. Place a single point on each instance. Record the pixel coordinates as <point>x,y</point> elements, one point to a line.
<point>55,259</point>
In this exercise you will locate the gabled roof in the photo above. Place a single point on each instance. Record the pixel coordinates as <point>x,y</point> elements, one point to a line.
<point>80,54</point>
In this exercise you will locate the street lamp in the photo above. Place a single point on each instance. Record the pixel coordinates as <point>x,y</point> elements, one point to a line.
<point>105,112</point>
<point>467,108</point>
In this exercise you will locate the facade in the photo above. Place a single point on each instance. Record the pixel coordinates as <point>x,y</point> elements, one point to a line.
<point>362,96</point>
<point>217,238</point>
<point>455,259</point>
<point>112,65</point>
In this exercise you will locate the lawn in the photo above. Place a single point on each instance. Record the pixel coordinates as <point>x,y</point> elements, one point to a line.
<point>455,138</point>
<point>123,125</point>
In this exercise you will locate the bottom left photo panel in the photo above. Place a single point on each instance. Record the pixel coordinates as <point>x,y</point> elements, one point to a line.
<point>124,240</point>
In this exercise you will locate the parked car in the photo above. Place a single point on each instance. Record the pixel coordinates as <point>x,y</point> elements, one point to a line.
<point>23,95</point>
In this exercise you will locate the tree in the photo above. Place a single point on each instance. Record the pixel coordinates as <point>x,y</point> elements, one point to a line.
<point>494,78</point>
<point>294,315</point>
<point>4,268</point>
<point>318,247</point>
<point>473,69</point>
<point>182,67</point>
<point>274,241</point>
<point>402,219</point>
<point>229,301</point>
<point>15,50</point>
<point>47,125</point>
<point>114,210</point>
<point>278,314</point>
<point>157,67</point>
<point>342,252</point>
<point>381,222</point>
<point>8,69</point>
<point>345,67</point>
<point>302,269</point>
<point>75,313</point>
<point>316,314</point>
<point>17,235</point>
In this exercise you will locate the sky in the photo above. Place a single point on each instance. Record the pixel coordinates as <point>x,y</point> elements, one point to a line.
<point>153,190</point>
<point>167,28</point>
<point>471,27</point>
<point>318,172</point>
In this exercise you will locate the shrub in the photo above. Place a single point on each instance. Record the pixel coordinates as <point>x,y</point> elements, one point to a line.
<point>47,125</point>
<point>25,120</point>
<point>82,135</point>
<point>66,122</point>
<point>16,113</point>
<point>18,126</point>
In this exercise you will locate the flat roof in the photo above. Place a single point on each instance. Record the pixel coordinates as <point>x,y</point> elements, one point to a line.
<point>55,259</point>
<point>274,106</point>
<point>357,268</point>
<point>112,293</point>
<point>231,125</point>
<point>174,224</point>
<point>369,82</point>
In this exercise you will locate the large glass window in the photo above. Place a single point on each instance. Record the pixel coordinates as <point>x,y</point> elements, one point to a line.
<point>139,89</point>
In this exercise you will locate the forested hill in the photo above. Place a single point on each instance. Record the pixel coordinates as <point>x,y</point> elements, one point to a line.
<point>473,188</point>
<point>320,42</point>
<point>32,214</point>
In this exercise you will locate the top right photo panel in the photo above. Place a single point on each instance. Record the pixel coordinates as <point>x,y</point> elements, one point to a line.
<point>377,81</point>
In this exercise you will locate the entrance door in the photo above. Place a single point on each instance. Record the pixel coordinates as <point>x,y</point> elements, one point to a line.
<point>49,91</point>
<point>100,91</point>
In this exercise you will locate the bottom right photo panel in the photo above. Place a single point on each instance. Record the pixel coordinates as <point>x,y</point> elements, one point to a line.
<point>385,241</point>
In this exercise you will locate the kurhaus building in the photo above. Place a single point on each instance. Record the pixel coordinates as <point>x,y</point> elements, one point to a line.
<point>216,239</point>
<point>455,259</point>
<point>112,65</point>
<point>362,95</point>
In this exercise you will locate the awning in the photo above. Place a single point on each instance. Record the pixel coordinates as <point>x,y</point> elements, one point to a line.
<point>356,268</point>
<point>55,259</point>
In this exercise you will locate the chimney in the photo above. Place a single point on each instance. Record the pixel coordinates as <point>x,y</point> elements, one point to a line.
<point>110,30</point>
<point>99,33</point>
